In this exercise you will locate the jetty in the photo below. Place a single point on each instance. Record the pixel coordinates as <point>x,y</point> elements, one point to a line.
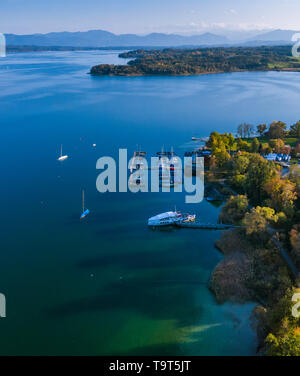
<point>204,226</point>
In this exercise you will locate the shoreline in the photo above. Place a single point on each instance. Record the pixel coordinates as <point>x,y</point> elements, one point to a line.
<point>197,74</point>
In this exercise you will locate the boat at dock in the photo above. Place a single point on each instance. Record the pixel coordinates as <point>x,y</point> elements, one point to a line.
<point>170,218</point>
<point>169,166</point>
<point>171,155</point>
<point>137,161</point>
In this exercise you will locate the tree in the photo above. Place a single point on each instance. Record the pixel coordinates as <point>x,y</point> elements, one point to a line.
<point>267,150</point>
<point>261,128</point>
<point>258,173</point>
<point>255,145</point>
<point>240,130</point>
<point>214,140</point>
<point>231,141</point>
<point>282,193</point>
<point>277,145</point>
<point>256,222</point>
<point>277,130</point>
<point>295,130</point>
<point>250,130</point>
<point>213,163</point>
<point>287,345</point>
<point>284,339</point>
<point>234,210</point>
<point>294,176</point>
<point>245,130</point>
<point>242,145</point>
<point>222,157</point>
<point>240,164</point>
<point>295,243</point>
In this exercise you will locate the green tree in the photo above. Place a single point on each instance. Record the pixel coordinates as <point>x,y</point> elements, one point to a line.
<point>258,173</point>
<point>231,142</point>
<point>277,145</point>
<point>242,145</point>
<point>287,345</point>
<point>256,222</point>
<point>255,145</point>
<point>277,130</point>
<point>261,128</point>
<point>294,176</point>
<point>295,130</point>
<point>238,181</point>
<point>282,193</point>
<point>234,210</point>
<point>222,157</point>
<point>214,140</point>
<point>240,163</point>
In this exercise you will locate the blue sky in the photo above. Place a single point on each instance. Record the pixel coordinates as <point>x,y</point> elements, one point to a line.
<point>140,16</point>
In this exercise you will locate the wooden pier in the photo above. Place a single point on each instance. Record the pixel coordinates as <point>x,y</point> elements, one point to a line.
<point>205,226</point>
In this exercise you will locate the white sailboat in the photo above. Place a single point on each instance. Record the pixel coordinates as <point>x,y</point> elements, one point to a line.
<point>137,162</point>
<point>62,157</point>
<point>84,212</point>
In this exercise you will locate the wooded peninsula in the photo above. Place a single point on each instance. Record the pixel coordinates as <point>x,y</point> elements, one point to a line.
<point>262,253</point>
<point>180,62</point>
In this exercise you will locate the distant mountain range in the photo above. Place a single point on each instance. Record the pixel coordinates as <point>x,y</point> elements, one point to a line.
<point>101,38</point>
<point>276,35</point>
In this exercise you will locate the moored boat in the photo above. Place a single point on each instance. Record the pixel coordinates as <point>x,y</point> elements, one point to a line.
<point>137,161</point>
<point>62,157</point>
<point>170,218</point>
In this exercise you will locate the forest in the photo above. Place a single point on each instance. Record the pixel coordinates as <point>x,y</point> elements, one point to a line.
<point>264,205</point>
<point>173,62</point>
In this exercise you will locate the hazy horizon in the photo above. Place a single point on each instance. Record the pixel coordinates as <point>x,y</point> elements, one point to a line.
<point>217,31</point>
<point>140,17</point>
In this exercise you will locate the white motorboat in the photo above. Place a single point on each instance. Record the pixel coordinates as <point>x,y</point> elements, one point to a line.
<point>170,218</point>
<point>165,219</point>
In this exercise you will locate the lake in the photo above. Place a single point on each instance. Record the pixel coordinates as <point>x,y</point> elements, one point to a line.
<point>108,285</point>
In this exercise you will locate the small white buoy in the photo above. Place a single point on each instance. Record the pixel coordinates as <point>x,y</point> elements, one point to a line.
<point>94,145</point>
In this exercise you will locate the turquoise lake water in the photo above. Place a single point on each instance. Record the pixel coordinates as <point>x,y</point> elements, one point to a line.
<point>108,284</point>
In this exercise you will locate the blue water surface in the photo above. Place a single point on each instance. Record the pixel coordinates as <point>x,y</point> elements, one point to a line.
<point>107,284</point>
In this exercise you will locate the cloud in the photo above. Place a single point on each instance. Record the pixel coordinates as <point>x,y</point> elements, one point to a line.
<point>231,12</point>
<point>201,26</point>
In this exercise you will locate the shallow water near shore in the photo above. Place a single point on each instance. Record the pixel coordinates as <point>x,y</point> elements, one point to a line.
<point>108,284</point>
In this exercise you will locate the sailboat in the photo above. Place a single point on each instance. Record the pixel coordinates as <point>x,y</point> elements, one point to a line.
<point>84,212</point>
<point>62,157</point>
<point>137,162</point>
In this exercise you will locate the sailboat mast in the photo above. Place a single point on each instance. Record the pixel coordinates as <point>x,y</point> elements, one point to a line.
<point>82,200</point>
<point>61,150</point>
